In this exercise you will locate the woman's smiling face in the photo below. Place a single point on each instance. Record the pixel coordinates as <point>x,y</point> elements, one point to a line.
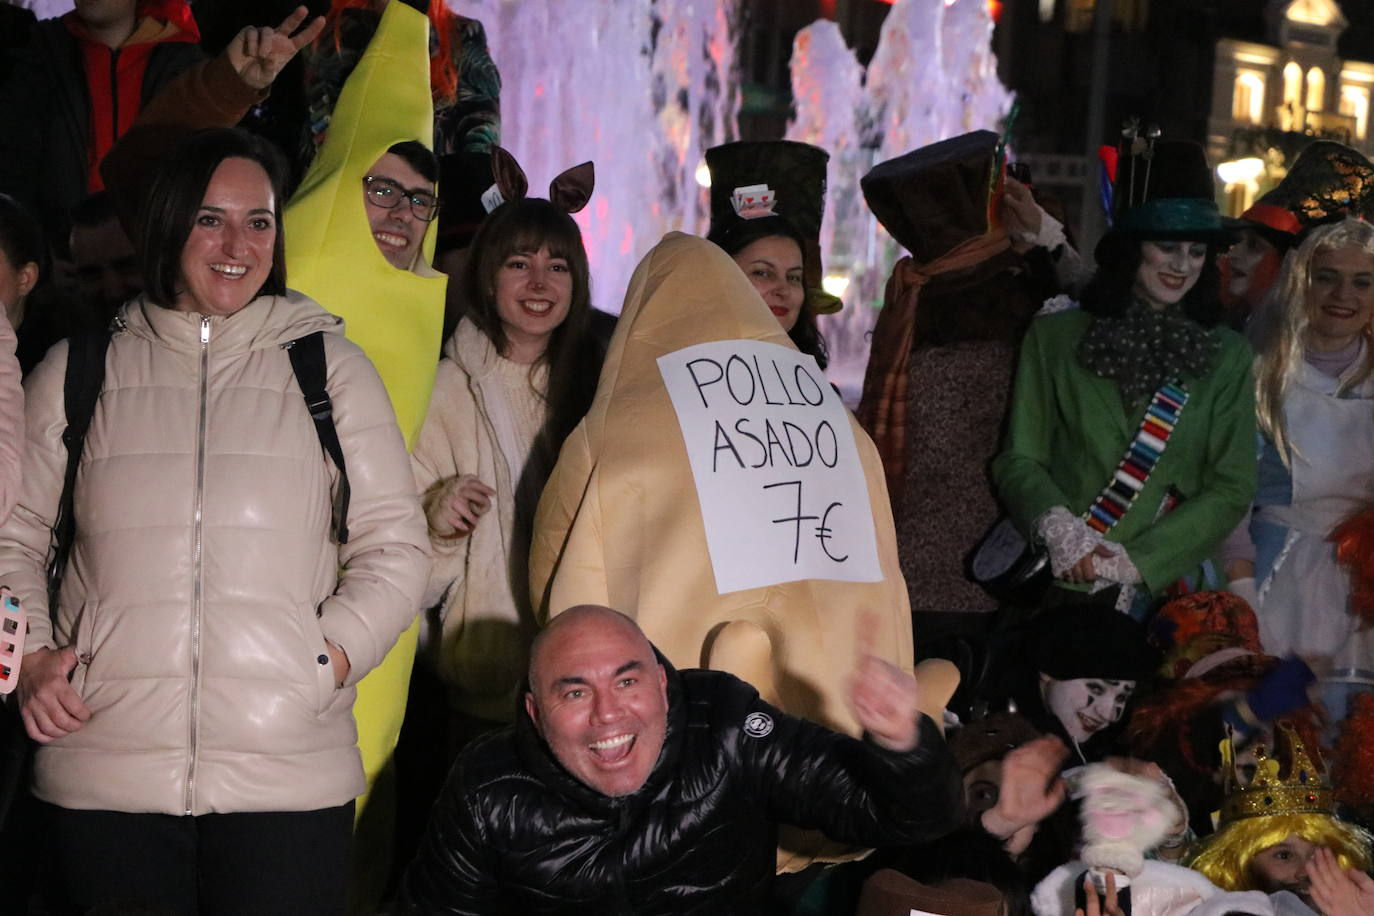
<point>1168,270</point>
<point>1085,706</point>
<point>228,255</point>
<point>1340,296</point>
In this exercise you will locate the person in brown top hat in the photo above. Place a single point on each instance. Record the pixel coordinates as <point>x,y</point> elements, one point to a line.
<point>939,375</point>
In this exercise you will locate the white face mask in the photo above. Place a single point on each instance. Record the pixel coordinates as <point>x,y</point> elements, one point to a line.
<point>1085,705</point>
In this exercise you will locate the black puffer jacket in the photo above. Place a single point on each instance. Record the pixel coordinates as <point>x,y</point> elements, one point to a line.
<point>515,833</point>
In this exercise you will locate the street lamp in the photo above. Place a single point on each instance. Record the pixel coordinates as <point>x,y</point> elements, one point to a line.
<point>1237,171</point>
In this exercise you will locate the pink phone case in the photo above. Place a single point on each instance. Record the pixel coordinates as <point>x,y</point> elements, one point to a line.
<point>12,630</point>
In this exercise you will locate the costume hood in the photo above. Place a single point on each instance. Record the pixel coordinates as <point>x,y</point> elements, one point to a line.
<point>396,316</point>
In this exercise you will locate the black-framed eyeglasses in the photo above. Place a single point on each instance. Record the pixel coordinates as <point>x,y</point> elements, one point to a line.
<point>385,193</point>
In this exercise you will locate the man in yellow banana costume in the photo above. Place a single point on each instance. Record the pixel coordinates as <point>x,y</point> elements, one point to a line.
<point>358,242</point>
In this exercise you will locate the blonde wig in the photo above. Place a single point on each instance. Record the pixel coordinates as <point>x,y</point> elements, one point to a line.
<point>1283,329</point>
<point>1224,857</point>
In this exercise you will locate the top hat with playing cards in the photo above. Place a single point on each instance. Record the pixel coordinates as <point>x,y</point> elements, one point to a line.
<point>777,180</point>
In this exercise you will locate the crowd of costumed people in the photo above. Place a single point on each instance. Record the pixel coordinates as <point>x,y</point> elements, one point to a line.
<point>359,555</point>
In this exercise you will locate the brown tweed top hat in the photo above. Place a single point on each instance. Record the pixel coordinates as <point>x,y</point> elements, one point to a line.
<point>795,174</point>
<point>935,198</point>
<point>890,893</point>
<point>1327,181</point>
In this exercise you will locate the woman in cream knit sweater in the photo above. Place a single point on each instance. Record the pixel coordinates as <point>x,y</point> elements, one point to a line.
<point>517,375</point>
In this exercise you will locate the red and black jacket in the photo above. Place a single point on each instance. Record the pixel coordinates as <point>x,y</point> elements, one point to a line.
<point>67,99</point>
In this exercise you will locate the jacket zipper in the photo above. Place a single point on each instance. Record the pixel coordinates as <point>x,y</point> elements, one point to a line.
<point>197,558</point>
<point>622,827</point>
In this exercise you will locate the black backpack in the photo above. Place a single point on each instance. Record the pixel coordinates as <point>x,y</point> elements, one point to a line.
<point>81,389</point>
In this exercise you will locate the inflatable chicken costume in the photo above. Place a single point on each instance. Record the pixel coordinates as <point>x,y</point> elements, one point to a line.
<point>627,521</point>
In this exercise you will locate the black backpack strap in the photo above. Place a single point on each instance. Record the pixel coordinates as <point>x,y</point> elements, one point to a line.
<point>307,361</point>
<point>85,377</point>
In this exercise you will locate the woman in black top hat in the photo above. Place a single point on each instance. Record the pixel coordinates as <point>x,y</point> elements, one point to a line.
<point>767,199</point>
<point>1130,451</point>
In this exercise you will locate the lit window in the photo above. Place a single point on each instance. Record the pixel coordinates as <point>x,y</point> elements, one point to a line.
<point>1355,103</point>
<point>1247,100</point>
<point>1292,84</point>
<point>1316,89</point>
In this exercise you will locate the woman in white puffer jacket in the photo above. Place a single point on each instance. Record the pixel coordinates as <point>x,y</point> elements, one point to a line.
<point>193,694</point>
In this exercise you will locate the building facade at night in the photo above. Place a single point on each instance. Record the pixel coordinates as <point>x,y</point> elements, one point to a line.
<point>1271,99</point>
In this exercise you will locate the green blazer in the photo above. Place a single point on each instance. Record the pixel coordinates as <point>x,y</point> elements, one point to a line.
<point>1068,431</point>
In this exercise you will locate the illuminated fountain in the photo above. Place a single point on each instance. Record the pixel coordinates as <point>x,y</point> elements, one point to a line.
<point>644,88</point>
<point>932,76</point>
<point>641,88</point>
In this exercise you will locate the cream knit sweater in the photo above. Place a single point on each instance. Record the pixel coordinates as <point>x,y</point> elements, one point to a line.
<point>483,418</point>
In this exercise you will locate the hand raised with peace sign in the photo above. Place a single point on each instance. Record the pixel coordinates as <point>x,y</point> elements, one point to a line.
<point>258,54</point>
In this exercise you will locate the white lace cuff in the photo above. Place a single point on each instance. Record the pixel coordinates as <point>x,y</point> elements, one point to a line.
<point>1118,567</point>
<point>1067,538</point>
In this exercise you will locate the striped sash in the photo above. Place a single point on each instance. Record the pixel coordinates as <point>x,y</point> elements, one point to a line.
<point>1161,416</point>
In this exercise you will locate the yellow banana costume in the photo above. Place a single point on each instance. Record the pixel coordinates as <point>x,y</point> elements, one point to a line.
<point>619,522</point>
<point>395,316</point>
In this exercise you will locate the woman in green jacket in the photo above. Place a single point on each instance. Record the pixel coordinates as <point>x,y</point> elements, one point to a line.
<point>1139,389</point>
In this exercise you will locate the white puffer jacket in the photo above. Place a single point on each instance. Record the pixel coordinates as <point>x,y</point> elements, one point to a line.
<point>204,579</point>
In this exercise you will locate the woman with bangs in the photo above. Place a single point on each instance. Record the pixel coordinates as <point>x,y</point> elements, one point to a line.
<point>516,376</point>
<point>1315,403</point>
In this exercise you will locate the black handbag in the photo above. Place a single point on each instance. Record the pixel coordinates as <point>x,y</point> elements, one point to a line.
<point>1009,568</point>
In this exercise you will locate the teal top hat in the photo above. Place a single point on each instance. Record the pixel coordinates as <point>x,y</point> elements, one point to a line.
<point>1164,190</point>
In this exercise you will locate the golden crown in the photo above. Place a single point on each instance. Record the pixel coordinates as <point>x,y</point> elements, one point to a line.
<point>1287,780</point>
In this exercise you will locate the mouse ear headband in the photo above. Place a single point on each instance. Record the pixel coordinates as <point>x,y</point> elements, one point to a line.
<point>569,192</point>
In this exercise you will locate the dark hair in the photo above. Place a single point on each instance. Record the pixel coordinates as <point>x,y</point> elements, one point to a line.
<point>47,317</point>
<point>21,236</point>
<point>574,362</point>
<point>738,235</point>
<point>1108,293</point>
<point>176,195</point>
<point>418,157</point>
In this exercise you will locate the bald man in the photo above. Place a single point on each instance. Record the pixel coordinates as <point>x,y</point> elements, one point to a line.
<point>629,787</point>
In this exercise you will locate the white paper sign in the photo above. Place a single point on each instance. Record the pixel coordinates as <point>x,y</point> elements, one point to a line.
<point>778,478</point>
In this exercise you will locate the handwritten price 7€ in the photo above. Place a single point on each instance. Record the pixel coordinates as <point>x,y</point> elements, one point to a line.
<point>823,531</point>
